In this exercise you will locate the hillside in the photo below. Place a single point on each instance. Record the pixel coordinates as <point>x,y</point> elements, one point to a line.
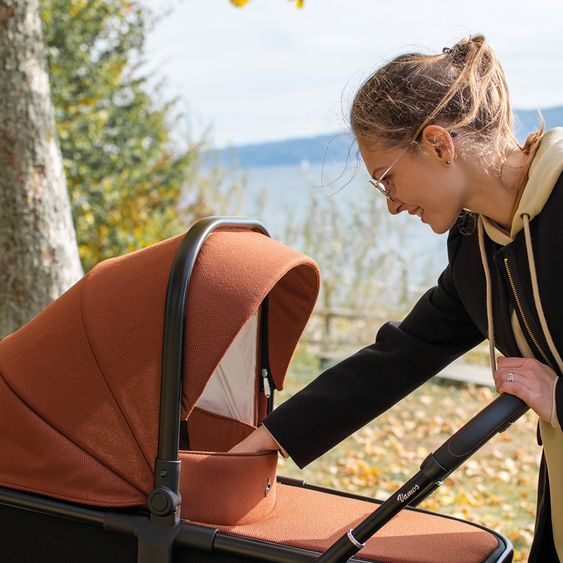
<point>337,147</point>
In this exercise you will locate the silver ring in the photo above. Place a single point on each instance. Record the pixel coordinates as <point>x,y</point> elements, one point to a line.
<point>510,377</point>
<point>351,537</point>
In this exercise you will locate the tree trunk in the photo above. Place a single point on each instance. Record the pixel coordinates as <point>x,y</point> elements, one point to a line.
<point>38,251</point>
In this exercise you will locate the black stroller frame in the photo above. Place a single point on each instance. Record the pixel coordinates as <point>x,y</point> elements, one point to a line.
<point>162,537</point>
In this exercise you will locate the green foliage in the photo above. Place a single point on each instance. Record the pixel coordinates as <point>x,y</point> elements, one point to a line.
<point>125,173</point>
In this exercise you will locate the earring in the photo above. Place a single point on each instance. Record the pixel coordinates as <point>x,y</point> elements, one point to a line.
<point>448,162</point>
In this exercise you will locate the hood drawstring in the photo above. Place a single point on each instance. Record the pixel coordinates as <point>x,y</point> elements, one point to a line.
<point>488,285</point>
<point>535,292</point>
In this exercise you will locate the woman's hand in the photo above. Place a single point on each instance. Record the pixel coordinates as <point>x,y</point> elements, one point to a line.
<point>259,441</point>
<point>529,380</point>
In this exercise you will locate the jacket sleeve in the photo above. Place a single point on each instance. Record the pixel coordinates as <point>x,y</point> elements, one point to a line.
<point>347,396</point>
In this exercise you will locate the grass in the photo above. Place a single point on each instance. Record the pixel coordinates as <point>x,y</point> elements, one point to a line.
<point>497,487</point>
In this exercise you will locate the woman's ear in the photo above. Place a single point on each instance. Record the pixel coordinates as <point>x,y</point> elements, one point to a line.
<point>438,142</point>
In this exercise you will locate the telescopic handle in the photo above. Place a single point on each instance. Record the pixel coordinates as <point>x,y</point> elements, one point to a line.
<point>495,417</point>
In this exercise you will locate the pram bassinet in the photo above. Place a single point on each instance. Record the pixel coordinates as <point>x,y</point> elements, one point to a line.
<point>89,435</point>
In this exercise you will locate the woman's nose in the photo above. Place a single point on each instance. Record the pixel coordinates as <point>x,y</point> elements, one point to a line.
<point>393,206</point>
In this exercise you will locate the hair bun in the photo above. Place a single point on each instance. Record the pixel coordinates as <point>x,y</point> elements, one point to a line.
<point>464,44</point>
<point>460,51</point>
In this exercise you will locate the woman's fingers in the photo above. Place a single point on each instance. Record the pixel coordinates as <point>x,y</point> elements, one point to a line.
<point>529,380</point>
<point>259,440</point>
<point>516,388</point>
<point>512,362</point>
<point>511,374</point>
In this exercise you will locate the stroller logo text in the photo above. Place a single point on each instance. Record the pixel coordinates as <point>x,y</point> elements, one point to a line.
<point>403,497</point>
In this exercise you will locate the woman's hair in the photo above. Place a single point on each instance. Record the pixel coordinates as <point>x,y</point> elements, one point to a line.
<point>462,89</point>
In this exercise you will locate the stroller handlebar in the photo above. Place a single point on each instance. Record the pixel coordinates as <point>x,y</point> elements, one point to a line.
<point>494,418</point>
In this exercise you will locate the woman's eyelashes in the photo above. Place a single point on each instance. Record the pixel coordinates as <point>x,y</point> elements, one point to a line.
<point>387,183</point>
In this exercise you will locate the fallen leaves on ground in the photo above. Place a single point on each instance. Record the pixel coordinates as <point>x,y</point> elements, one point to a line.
<point>497,487</point>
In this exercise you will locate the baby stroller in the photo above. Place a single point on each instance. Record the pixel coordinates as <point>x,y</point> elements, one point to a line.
<point>119,402</point>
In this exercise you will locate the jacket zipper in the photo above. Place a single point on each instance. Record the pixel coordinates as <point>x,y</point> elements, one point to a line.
<point>523,317</point>
<point>267,382</point>
<point>266,387</point>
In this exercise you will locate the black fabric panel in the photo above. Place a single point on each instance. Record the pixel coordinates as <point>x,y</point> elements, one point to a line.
<point>29,537</point>
<point>469,279</point>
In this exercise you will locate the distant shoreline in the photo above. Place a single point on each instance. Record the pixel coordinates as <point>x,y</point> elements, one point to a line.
<point>339,146</point>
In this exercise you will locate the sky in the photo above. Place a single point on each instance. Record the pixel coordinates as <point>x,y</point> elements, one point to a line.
<point>270,71</point>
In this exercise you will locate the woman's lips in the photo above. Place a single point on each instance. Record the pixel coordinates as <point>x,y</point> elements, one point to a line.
<point>417,211</point>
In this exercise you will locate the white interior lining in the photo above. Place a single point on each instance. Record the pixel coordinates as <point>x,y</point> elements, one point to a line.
<point>231,388</point>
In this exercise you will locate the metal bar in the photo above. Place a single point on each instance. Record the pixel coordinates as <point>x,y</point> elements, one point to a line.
<point>210,540</point>
<point>350,543</point>
<point>43,505</point>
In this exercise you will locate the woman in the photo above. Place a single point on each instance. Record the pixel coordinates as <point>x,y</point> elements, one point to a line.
<point>435,133</point>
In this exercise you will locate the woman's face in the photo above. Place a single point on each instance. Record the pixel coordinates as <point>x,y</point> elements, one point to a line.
<point>421,182</point>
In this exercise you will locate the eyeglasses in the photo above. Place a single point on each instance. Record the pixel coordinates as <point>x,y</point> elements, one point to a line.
<point>377,183</point>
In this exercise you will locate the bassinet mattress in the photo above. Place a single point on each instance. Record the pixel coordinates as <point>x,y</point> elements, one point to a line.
<point>311,519</point>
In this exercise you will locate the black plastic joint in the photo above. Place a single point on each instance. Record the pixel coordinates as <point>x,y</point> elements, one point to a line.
<point>433,470</point>
<point>197,537</point>
<point>162,501</point>
<point>167,474</point>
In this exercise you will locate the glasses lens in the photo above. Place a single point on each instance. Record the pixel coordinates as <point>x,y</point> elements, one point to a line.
<point>378,185</point>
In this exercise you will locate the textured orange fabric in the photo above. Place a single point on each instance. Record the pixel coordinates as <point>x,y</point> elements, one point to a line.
<point>84,375</point>
<point>315,520</point>
<point>49,366</point>
<point>27,462</point>
<point>220,488</point>
<point>215,433</point>
<point>123,313</point>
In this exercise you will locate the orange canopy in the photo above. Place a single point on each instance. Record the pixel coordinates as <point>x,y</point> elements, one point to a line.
<point>80,383</point>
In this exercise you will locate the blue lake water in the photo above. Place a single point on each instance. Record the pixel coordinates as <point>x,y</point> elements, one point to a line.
<point>286,192</point>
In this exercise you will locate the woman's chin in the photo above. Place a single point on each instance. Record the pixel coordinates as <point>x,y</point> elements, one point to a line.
<point>438,229</point>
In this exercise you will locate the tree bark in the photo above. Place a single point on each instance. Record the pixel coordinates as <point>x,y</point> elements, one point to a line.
<point>38,250</point>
